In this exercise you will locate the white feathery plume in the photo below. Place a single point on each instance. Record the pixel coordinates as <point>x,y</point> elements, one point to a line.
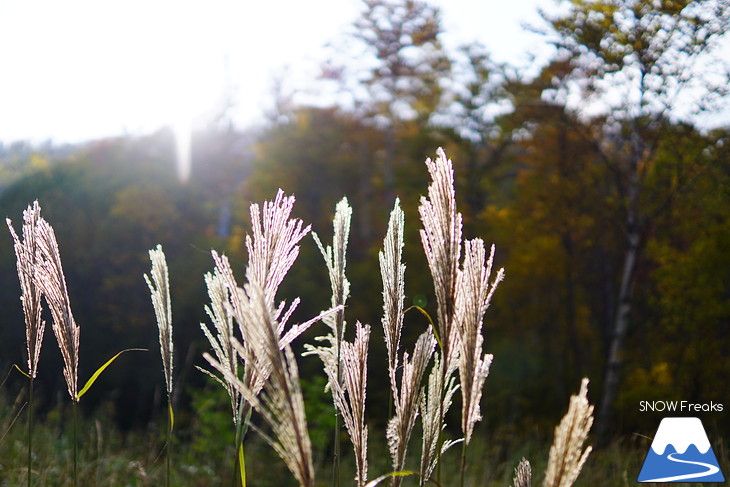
<point>434,404</point>
<point>473,295</point>
<point>272,249</point>
<point>159,285</point>
<point>441,239</point>
<point>25,254</point>
<point>392,271</point>
<point>280,401</point>
<point>335,257</point>
<point>256,369</point>
<point>348,393</point>
<point>354,369</point>
<point>221,341</point>
<point>407,401</point>
<point>523,474</point>
<point>50,279</point>
<point>566,455</point>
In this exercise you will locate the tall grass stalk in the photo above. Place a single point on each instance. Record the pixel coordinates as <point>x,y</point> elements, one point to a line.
<point>26,254</point>
<point>335,257</point>
<point>49,277</point>
<point>272,248</point>
<point>280,401</point>
<point>441,240</point>
<point>159,285</point>
<point>474,294</point>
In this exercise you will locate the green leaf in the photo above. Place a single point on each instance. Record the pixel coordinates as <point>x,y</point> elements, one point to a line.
<point>400,473</point>
<point>172,416</point>
<point>428,317</point>
<point>242,465</point>
<point>98,372</point>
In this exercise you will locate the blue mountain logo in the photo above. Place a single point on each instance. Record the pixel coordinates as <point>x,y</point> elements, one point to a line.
<point>680,452</point>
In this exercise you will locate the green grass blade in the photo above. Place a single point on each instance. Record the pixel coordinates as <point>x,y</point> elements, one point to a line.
<point>172,416</point>
<point>242,465</point>
<point>98,372</point>
<point>400,473</point>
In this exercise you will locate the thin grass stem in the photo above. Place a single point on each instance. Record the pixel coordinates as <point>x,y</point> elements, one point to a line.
<point>75,438</point>
<point>463,463</point>
<point>336,462</point>
<point>169,442</point>
<point>30,428</point>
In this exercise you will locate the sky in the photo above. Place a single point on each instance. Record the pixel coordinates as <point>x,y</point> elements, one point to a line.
<point>84,69</point>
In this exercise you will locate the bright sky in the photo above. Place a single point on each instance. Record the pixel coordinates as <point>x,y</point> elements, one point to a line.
<point>83,69</point>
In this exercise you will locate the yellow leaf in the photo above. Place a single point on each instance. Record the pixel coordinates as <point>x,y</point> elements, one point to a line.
<point>98,372</point>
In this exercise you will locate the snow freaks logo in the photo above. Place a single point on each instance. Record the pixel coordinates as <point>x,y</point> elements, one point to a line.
<point>680,452</point>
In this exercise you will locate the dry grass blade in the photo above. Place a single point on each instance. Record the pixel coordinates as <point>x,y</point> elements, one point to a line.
<point>523,474</point>
<point>26,255</point>
<point>50,279</point>
<point>566,455</point>
<point>159,286</point>
<point>392,271</point>
<point>407,401</point>
<point>441,239</point>
<point>474,293</point>
<point>280,402</point>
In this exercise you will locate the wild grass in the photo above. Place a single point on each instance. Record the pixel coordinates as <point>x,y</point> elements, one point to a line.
<point>257,367</point>
<point>159,285</point>
<point>26,253</point>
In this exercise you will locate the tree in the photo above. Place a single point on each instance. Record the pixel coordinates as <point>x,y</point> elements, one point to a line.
<point>404,80</point>
<point>643,62</point>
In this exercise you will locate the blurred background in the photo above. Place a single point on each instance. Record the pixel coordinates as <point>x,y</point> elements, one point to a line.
<point>590,142</point>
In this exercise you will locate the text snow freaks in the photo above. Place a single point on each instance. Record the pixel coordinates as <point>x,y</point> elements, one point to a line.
<point>680,406</point>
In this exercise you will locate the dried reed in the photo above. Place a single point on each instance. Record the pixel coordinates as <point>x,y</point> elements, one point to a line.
<point>523,474</point>
<point>280,402</point>
<point>26,253</point>
<point>159,286</point>
<point>566,455</point>
<point>335,257</point>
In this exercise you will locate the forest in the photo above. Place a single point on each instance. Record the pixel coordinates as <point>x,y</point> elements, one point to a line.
<point>605,193</point>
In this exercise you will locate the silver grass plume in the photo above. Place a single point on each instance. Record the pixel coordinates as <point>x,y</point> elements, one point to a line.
<point>407,401</point>
<point>392,271</point>
<point>473,296</point>
<point>349,393</point>
<point>434,404</point>
<point>50,279</point>
<point>159,285</point>
<point>335,257</point>
<point>273,247</point>
<point>280,402</point>
<point>566,455</point>
<point>221,341</point>
<point>25,254</point>
<point>255,368</point>
<point>523,474</point>
<point>441,239</point>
